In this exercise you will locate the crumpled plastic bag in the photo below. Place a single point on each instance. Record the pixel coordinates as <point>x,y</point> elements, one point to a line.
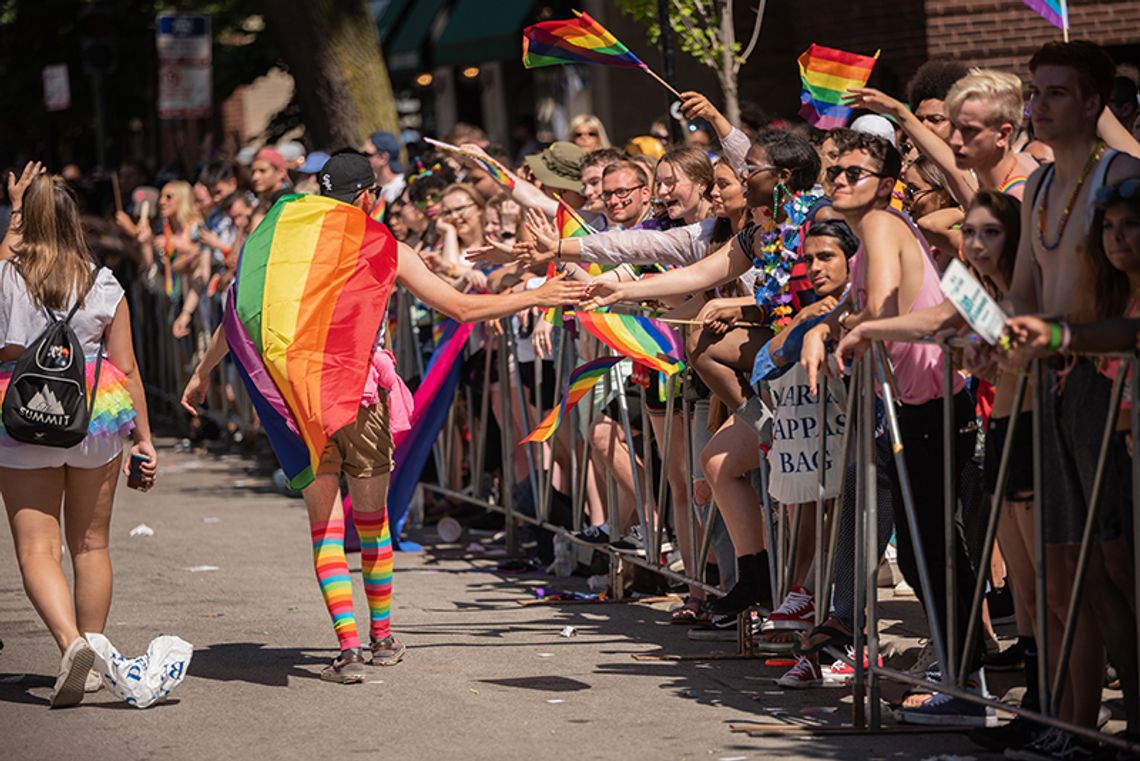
<point>145,680</point>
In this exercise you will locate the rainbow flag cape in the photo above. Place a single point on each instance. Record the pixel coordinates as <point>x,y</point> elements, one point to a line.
<point>583,378</point>
<point>497,171</point>
<point>302,318</point>
<point>644,340</point>
<point>827,74</point>
<point>576,40</point>
<point>1056,12</point>
<point>433,399</point>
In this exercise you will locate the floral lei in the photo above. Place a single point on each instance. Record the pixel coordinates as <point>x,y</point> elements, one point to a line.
<point>778,251</point>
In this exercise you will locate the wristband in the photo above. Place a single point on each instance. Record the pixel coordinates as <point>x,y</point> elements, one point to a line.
<point>1055,337</point>
<point>558,252</point>
<point>1066,336</point>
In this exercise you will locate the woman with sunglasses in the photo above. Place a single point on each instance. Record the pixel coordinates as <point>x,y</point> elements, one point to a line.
<point>588,133</point>
<point>929,203</point>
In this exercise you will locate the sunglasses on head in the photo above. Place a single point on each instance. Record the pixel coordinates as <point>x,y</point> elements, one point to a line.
<point>853,174</point>
<point>1125,191</point>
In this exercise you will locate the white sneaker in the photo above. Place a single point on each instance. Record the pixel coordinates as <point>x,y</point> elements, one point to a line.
<point>803,675</point>
<point>73,668</point>
<point>796,612</point>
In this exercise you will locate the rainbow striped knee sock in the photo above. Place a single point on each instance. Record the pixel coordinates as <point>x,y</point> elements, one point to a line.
<point>332,575</point>
<point>376,567</point>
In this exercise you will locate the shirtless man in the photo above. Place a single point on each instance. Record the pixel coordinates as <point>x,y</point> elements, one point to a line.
<point>894,273</point>
<point>1070,86</point>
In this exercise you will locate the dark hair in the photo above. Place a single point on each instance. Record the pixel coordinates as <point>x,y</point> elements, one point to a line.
<point>933,80</point>
<point>432,180</point>
<point>1110,287</point>
<point>603,156</point>
<point>216,171</point>
<point>839,230</point>
<point>753,116</point>
<point>1094,67</point>
<point>890,162</point>
<point>790,151</point>
<point>1007,209</point>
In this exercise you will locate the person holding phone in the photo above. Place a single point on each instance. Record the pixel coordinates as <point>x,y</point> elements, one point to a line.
<point>49,271</point>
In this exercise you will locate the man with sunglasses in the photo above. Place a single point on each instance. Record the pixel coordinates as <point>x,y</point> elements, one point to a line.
<point>894,273</point>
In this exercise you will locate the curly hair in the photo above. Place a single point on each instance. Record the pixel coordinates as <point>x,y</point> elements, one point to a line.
<point>933,80</point>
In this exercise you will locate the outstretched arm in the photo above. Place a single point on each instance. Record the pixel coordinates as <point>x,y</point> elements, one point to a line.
<point>523,192</point>
<point>465,307</point>
<point>728,262</point>
<point>961,184</point>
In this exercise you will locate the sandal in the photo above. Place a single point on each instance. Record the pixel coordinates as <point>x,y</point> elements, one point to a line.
<point>688,613</point>
<point>835,639</point>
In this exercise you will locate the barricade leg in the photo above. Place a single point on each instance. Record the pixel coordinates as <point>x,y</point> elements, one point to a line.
<point>871,553</point>
<point>859,686</point>
<point>1038,374</point>
<point>508,458</point>
<point>950,505</point>
<point>991,528</point>
<point>820,502</point>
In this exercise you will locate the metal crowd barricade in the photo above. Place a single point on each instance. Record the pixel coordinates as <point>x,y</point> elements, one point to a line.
<point>875,365</point>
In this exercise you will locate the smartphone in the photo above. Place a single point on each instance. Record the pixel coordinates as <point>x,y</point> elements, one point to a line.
<point>134,473</point>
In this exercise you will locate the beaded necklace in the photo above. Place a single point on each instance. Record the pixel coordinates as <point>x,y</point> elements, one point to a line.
<point>1043,209</point>
<point>777,252</point>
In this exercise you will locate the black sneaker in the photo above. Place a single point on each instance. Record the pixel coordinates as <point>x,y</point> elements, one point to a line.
<point>593,535</point>
<point>631,541</point>
<point>1053,744</point>
<point>719,629</point>
<point>742,597</point>
<point>1016,734</point>
<point>1010,659</point>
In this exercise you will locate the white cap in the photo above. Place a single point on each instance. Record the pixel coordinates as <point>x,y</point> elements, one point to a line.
<point>873,124</point>
<point>292,151</point>
<point>246,154</point>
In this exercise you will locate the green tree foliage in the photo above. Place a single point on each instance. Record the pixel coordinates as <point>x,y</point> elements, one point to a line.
<point>706,30</point>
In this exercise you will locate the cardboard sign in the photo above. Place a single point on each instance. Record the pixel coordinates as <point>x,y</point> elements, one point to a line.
<point>972,301</point>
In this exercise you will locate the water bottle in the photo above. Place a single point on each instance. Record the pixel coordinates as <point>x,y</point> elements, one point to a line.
<point>563,557</point>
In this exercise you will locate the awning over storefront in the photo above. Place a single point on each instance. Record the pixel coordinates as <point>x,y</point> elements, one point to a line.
<point>386,24</point>
<point>479,31</point>
<point>404,52</point>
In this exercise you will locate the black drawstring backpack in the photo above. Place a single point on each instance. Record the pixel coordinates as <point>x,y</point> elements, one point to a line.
<point>47,401</point>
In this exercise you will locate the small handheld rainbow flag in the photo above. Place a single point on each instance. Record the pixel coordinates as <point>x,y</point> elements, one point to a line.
<point>644,340</point>
<point>827,74</point>
<point>379,209</point>
<point>1056,12</point>
<point>583,378</point>
<point>498,173</point>
<point>569,222</point>
<point>301,321</point>
<point>576,40</point>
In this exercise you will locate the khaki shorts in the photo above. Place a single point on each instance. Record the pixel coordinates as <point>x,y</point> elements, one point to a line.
<point>362,449</point>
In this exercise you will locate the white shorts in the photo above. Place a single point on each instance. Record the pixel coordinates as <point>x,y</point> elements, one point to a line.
<point>92,452</point>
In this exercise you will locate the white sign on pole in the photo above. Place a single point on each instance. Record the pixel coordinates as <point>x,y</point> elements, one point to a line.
<point>57,88</point>
<point>185,82</point>
<point>976,306</point>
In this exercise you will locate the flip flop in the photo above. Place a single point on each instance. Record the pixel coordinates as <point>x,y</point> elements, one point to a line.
<point>835,638</point>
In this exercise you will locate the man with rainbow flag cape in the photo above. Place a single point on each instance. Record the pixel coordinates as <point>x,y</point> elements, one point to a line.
<point>304,323</point>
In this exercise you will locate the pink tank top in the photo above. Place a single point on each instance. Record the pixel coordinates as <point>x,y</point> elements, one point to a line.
<point>917,367</point>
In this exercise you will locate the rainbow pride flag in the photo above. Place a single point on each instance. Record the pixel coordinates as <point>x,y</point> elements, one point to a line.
<point>581,380</point>
<point>827,74</point>
<point>379,209</point>
<point>644,340</point>
<point>568,222</point>
<point>302,318</point>
<point>576,40</point>
<point>1056,12</point>
<point>489,165</point>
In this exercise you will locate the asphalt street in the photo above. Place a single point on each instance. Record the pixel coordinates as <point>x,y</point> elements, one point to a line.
<point>228,568</point>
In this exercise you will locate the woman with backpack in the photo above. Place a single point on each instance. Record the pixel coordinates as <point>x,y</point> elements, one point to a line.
<point>57,306</point>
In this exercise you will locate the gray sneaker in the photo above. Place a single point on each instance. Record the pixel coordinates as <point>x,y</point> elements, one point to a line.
<point>388,651</point>
<point>347,668</point>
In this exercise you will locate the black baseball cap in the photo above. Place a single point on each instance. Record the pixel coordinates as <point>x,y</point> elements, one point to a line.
<point>345,175</point>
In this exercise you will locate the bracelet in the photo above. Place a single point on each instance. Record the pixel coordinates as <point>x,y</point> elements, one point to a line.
<point>1066,336</point>
<point>1055,337</point>
<point>558,252</point>
<point>17,211</point>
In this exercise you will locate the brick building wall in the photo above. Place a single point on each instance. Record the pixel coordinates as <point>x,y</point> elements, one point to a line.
<point>1003,34</point>
<point>998,33</point>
